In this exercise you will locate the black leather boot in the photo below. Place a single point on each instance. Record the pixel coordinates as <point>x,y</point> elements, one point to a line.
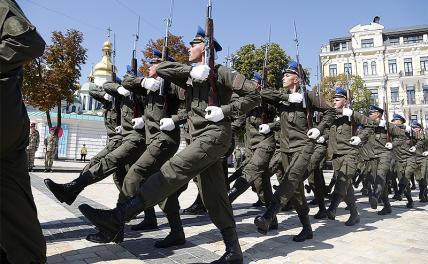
<point>196,208</point>
<point>354,218</point>
<point>423,193</point>
<point>409,203</point>
<point>374,198</point>
<point>103,239</point>
<point>68,192</point>
<point>176,237</point>
<point>240,186</point>
<point>306,232</point>
<point>264,222</point>
<point>235,175</point>
<point>386,206</point>
<point>398,196</point>
<point>149,223</point>
<point>111,222</point>
<point>335,201</point>
<point>233,254</point>
<point>259,203</point>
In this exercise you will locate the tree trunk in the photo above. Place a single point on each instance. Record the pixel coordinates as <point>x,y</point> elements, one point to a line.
<point>48,118</point>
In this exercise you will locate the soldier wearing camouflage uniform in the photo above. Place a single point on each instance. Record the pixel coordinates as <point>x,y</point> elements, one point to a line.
<point>51,143</point>
<point>21,238</point>
<point>211,132</point>
<point>33,145</point>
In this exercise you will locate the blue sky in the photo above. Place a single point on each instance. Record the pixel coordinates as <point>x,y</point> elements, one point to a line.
<point>236,22</point>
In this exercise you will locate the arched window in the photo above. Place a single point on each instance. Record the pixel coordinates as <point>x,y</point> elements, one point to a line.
<point>373,66</point>
<point>366,68</point>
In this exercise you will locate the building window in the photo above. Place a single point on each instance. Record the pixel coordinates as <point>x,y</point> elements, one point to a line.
<point>395,97</point>
<point>424,64</point>
<point>394,41</point>
<point>333,69</point>
<point>347,68</point>
<point>374,96</point>
<point>413,39</point>
<point>366,68</point>
<point>411,98</point>
<point>408,68</point>
<point>335,47</point>
<point>373,65</point>
<point>367,43</point>
<point>425,91</point>
<point>90,103</point>
<point>392,65</point>
<point>84,103</point>
<point>344,46</point>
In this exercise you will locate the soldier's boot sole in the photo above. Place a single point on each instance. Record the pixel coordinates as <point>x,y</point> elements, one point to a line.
<point>102,239</point>
<point>61,193</point>
<point>175,238</point>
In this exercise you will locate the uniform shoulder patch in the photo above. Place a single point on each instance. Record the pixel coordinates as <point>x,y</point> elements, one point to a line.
<point>15,26</point>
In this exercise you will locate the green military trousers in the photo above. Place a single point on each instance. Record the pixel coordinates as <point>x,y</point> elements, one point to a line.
<point>21,236</point>
<point>344,167</point>
<point>316,177</point>
<point>379,169</point>
<point>291,189</point>
<point>202,158</point>
<point>30,154</point>
<point>49,157</point>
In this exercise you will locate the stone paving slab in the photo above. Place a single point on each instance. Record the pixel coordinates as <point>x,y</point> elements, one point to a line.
<point>398,238</point>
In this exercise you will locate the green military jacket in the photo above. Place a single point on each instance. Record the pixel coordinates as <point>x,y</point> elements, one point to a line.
<point>197,92</point>
<point>111,110</point>
<point>132,106</point>
<point>158,107</point>
<point>377,139</point>
<point>51,142</point>
<point>294,124</point>
<point>19,43</point>
<point>401,143</point>
<point>341,132</point>
<point>421,146</point>
<point>34,140</point>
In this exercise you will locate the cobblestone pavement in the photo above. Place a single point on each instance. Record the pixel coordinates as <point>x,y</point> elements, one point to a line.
<point>398,238</point>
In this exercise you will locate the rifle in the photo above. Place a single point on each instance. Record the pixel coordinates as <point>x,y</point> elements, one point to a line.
<point>264,116</point>
<point>316,113</point>
<point>302,82</point>
<point>134,66</point>
<point>386,116</point>
<point>213,99</point>
<point>350,103</point>
<point>165,86</point>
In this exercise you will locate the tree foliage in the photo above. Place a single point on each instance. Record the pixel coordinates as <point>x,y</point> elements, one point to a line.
<point>176,49</point>
<point>249,58</point>
<point>359,92</point>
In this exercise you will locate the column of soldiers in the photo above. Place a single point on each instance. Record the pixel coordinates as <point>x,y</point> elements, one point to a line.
<point>143,116</point>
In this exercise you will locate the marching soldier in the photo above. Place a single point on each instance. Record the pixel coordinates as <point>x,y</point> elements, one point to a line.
<point>33,145</point>
<point>237,155</point>
<point>210,129</point>
<point>51,143</point>
<point>297,146</point>
<point>21,238</point>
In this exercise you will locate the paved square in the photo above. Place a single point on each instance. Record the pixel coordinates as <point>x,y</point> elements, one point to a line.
<point>401,237</point>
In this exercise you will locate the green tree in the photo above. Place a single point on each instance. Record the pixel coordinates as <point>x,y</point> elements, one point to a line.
<point>359,92</point>
<point>176,49</point>
<point>54,77</point>
<point>249,58</point>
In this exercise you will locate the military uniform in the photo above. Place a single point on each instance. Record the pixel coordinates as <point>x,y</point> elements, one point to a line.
<point>237,154</point>
<point>21,238</point>
<point>33,145</point>
<point>51,144</point>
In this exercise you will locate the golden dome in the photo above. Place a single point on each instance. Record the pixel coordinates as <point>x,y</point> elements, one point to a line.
<point>105,66</point>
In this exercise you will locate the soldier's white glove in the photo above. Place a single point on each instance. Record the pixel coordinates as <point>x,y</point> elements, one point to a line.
<point>118,129</point>
<point>382,123</point>
<point>137,123</point>
<point>295,98</point>
<point>321,140</point>
<point>108,97</point>
<point>425,153</point>
<point>264,129</point>
<point>388,145</point>
<point>123,91</point>
<point>313,133</point>
<point>214,113</point>
<point>408,129</point>
<point>166,124</point>
<point>151,84</point>
<point>412,149</point>
<point>355,141</point>
<point>347,112</point>
<point>200,72</point>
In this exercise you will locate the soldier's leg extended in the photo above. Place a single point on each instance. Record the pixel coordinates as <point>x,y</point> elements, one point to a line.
<point>302,209</point>
<point>409,172</point>
<point>31,153</point>
<point>21,236</point>
<point>113,144</point>
<point>128,152</point>
<point>344,168</point>
<point>295,165</point>
<point>380,185</point>
<point>257,165</point>
<point>354,217</point>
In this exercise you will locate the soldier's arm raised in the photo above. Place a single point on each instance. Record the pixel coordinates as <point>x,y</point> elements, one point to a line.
<point>248,98</point>
<point>97,93</point>
<point>133,84</point>
<point>174,72</point>
<point>274,98</point>
<point>111,89</point>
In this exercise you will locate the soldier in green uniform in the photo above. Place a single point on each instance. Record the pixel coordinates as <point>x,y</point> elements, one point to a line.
<point>129,150</point>
<point>33,145</point>
<point>297,146</point>
<point>237,155</point>
<point>404,155</point>
<point>210,130</point>
<point>51,143</point>
<point>21,238</point>
<point>343,148</point>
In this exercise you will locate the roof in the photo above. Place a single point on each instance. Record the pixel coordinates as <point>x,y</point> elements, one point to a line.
<point>407,30</point>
